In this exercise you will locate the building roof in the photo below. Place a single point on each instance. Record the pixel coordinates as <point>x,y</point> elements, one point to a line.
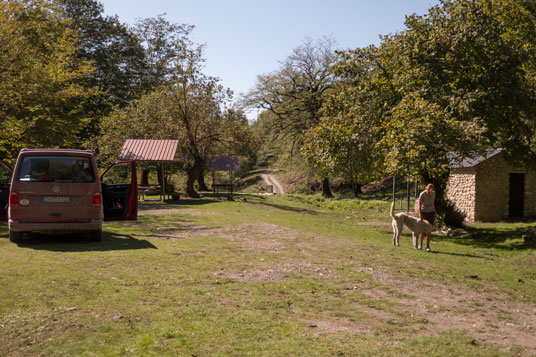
<point>223,163</point>
<point>472,162</point>
<point>150,150</point>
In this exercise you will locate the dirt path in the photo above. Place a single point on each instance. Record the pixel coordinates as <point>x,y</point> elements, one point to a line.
<point>270,179</point>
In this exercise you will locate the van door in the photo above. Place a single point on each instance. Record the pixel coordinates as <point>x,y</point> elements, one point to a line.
<point>5,183</point>
<point>120,192</point>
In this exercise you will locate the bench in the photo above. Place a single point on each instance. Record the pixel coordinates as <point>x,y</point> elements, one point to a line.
<point>222,187</point>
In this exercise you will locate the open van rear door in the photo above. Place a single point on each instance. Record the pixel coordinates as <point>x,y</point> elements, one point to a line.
<point>120,192</point>
<point>5,183</point>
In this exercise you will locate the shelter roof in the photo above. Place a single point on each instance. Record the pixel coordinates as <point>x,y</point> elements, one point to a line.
<point>223,163</point>
<point>150,150</point>
<point>471,162</point>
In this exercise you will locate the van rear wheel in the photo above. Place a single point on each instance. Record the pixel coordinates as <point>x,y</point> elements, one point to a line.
<point>15,237</point>
<point>95,236</point>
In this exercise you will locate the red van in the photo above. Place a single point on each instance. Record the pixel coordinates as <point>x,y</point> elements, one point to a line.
<point>59,191</point>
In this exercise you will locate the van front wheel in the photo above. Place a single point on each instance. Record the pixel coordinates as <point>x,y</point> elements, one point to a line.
<point>15,237</point>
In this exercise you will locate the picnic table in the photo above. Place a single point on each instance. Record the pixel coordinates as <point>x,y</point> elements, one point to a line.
<point>221,187</point>
<point>145,190</point>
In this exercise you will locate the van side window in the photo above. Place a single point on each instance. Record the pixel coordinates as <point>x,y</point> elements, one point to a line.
<point>56,169</point>
<point>120,174</point>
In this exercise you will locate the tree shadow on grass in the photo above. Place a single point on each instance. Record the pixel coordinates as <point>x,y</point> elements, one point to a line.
<point>465,255</point>
<point>158,205</point>
<point>495,238</point>
<point>81,243</point>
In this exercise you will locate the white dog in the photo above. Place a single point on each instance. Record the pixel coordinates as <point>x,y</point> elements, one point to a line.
<point>416,226</point>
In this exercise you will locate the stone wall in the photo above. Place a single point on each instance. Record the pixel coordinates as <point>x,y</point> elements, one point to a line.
<point>530,193</point>
<point>461,190</point>
<point>492,189</point>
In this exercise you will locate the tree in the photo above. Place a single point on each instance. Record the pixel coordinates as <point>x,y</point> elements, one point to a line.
<point>339,145</point>
<point>296,92</point>
<point>162,42</point>
<point>235,138</point>
<point>115,53</point>
<point>465,59</point>
<point>238,138</point>
<point>42,92</point>
<point>194,107</point>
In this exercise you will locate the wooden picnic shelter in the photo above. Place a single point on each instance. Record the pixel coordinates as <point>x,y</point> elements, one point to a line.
<point>223,163</point>
<point>152,150</point>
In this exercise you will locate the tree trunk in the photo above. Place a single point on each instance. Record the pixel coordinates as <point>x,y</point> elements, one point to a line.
<point>193,174</point>
<point>326,191</point>
<point>356,189</point>
<point>201,181</point>
<point>159,177</point>
<point>190,190</point>
<point>145,177</point>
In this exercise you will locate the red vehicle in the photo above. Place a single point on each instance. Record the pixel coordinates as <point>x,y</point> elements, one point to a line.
<point>59,191</point>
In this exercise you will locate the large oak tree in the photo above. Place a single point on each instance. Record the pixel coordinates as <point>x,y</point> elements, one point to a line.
<point>295,93</point>
<point>42,91</point>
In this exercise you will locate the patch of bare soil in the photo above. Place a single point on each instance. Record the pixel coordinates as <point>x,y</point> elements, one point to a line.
<point>489,317</point>
<point>260,237</point>
<point>268,272</point>
<point>342,325</point>
<point>148,210</point>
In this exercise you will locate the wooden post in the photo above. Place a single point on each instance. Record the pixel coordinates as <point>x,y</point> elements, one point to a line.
<point>416,193</point>
<point>407,191</point>
<point>394,187</point>
<point>163,183</point>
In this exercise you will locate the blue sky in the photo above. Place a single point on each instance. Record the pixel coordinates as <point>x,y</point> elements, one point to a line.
<point>245,38</point>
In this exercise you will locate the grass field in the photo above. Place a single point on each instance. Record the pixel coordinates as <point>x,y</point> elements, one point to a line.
<point>271,276</point>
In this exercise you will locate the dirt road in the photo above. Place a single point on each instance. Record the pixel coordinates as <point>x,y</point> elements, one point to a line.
<point>270,179</point>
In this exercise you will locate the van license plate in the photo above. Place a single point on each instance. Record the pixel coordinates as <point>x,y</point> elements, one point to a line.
<point>55,199</point>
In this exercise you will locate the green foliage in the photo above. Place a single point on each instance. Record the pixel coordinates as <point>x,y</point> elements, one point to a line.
<point>42,92</point>
<point>459,80</point>
<point>238,139</point>
<point>115,54</point>
<point>162,41</point>
<point>142,119</point>
<point>296,92</point>
<point>336,147</point>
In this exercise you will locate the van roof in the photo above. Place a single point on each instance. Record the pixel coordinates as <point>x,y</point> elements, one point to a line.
<point>57,151</point>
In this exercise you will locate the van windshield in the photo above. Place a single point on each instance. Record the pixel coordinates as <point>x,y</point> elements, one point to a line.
<point>41,168</point>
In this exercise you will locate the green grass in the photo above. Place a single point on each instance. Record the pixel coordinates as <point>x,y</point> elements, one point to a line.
<point>269,276</point>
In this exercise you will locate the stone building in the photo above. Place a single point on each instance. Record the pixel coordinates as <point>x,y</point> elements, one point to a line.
<point>489,188</point>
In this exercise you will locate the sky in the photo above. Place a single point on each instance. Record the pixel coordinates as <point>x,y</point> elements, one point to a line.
<point>246,38</point>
